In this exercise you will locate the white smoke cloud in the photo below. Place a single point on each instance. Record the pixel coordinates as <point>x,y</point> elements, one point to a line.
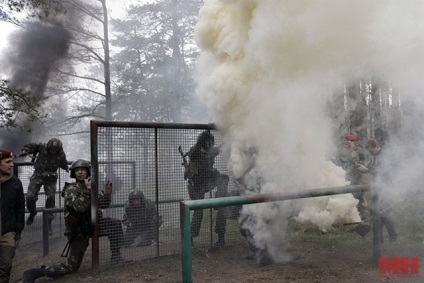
<point>267,68</point>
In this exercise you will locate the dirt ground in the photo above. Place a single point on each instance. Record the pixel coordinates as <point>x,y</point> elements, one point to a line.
<point>311,261</point>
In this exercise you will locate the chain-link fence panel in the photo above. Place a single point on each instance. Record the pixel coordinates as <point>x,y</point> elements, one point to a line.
<point>145,163</point>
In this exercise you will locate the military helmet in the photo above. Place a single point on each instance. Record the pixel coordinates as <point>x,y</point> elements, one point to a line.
<point>136,195</point>
<point>80,163</point>
<point>205,136</point>
<point>54,145</point>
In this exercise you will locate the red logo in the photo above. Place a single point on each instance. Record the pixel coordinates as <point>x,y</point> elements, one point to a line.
<point>398,266</point>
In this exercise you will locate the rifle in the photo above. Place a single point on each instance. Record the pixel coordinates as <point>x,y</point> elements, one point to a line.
<point>184,163</point>
<point>65,251</point>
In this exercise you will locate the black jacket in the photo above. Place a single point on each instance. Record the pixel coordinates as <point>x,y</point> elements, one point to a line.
<point>12,206</point>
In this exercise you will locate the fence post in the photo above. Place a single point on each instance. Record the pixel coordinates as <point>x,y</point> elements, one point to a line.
<point>376,226</point>
<point>186,259</point>
<point>45,233</point>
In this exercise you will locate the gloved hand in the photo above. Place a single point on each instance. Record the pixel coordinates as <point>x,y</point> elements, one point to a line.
<point>23,152</point>
<point>108,189</point>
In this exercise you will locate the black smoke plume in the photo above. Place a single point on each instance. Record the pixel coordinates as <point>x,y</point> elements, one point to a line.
<point>35,52</point>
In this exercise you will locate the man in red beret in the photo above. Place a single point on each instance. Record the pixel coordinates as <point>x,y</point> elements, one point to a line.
<point>351,137</point>
<point>12,204</point>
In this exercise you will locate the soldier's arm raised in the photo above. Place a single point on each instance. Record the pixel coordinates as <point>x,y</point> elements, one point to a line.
<point>30,148</point>
<point>64,162</point>
<point>106,198</point>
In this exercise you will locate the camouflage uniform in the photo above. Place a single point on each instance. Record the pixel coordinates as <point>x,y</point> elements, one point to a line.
<point>77,200</point>
<point>259,252</point>
<point>372,164</point>
<point>141,220</point>
<point>45,174</point>
<point>77,211</point>
<point>203,178</point>
<point>349,159</point>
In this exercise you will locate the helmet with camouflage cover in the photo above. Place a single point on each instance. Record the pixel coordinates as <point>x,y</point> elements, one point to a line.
<point>78,164</point>
<point>136,195</point>
<point>54,145</point>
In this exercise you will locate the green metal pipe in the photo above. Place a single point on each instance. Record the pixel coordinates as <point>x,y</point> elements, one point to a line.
<point>186,259</point>
<point>249,199</point>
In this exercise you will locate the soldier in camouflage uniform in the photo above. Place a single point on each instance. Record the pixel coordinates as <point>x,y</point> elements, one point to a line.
<point>352,159</point>
<point>77,211</point>
<point>50,157</point>
<point>260,253</point>
<point>203,178</point>
<point>372,164</point>
<point>141,220</point>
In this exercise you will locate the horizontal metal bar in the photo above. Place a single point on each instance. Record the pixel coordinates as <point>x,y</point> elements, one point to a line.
<point>99,123</point>
<point>259,198</point>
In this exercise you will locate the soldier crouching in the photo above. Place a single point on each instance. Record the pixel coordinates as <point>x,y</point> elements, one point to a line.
<point>141,220</point>
<point>77,211</point>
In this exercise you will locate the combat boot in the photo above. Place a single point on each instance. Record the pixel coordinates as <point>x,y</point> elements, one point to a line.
<point>263,258</point>
<point>30,219</point>
<point>32,208</point>
<point>264,261</point>
<point>362,229</point>
<point>31,275</point>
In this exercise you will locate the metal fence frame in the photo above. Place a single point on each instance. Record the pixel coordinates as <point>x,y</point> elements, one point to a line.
<point>94,147</point>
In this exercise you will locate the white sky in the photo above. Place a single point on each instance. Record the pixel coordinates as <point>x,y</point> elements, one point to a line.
<point>6,29</point>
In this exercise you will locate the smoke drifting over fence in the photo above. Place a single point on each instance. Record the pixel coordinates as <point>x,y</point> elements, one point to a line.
<point>268,68</point>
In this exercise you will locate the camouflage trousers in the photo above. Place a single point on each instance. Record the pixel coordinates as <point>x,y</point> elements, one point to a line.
<point>109,227</point>
<point>146,231</point>
<point>78,246</point>
<point>260,252</point>
<point>112,228</point>
<point>197,188</point>
<point>362,206</point>
<point>37,180</point>
<point>7,253</point>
